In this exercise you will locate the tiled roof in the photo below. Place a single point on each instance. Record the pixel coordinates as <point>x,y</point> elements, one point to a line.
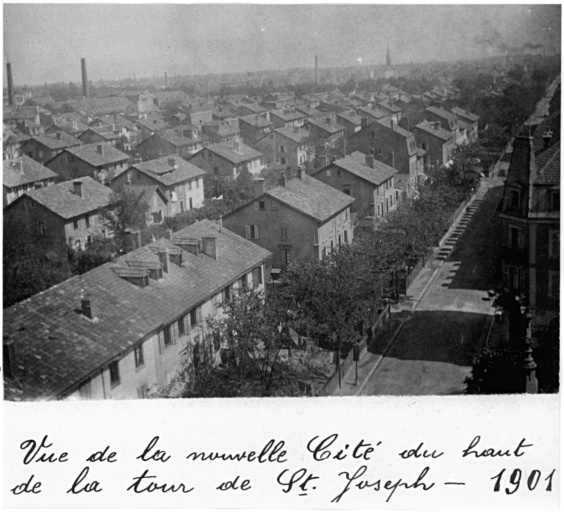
<point>31,171</point>
<point>300,136</point>
<point>464,113</point>
<point>374,112</point>
<point>102,131</point>
<point>214,127</point>
<point>162,170</point>
<point>548,165</point>
<point>256,121</point>
<point>287,115</point>
<point>234,152</point>
<point>145,191</point>
<point>396,128</point>
<point>445,114</point>
<point>153,122</point>
<point>99,106</point>
<point>311,197</point>
<point>377,175</point>
<point>62,200</point>
<point>22,112</point>
<point>329,128</point>
<point>350,117</point>
<point>389,106</point>
<point>175,138</point>
<point>90,153</point>
<point>118,120</point>
<point>56,348</point>
<point>253,107</point>
<point>440,133</point>
<point>54,142</point>
<point>310,112</point>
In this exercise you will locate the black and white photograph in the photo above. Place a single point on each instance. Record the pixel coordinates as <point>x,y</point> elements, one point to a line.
<point>320,202</point>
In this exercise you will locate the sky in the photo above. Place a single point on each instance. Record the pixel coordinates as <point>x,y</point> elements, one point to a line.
<point>45,42</point>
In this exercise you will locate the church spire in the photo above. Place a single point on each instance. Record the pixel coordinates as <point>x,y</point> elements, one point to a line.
<point>388,56</point>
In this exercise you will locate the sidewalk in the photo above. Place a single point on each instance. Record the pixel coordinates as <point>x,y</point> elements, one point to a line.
<point>402,312</point>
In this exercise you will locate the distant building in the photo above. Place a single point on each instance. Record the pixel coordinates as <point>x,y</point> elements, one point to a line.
<point>288,146</point>
<point>349,121</point>
<point>469,119</point>
<point>99,161</point>
<point>168,142</point>
<point>181,182</point>
<point>253,127</point>
<point>65,214</point>
<point>44,147</point>
<point>287,117</point>
<point>125,327</point>
<point>22,175</point>
<point>299,220</point>
<point>228,159</point>
<point>101,106</point>
<point>436,141</point>
<point>221,131</point>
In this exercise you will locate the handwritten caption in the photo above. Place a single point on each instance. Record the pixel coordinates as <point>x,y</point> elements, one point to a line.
<point>291,479</point>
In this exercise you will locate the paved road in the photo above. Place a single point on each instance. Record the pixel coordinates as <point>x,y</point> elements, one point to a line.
<point>433,352</point>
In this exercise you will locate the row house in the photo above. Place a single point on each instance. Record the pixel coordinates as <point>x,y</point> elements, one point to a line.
<point>150,124</point>
<point>311,100</point>
<point>168,142</point>
<point>368,181</point>
<point>287,117</point>
<point>325,132</point>
<point>471,120</point>
<point>393,146</point>
<point>96,135</point>
<point>181,182</point>
<point>448,121</point>
<point>310,113</point>
<point>70,122</point>
<point>436,141</point>
<point>99,161</point>
<point>277,100</point>
<point>64,214</point>
<point>43,148</point>
<point>22,175</point>
<point>101,106</point>
<point>371,114</point>
<point>229,159</point>
<point>222,113</point>
<point>253,127</point>
<point>302,219</point>
<point>391,110</point>
<point>349,121</point>
<point>288,146</point>
<point>530,217</point>
<point>221,131</point>
<point>128,132</point>
<point>251,109</point>
<point>131,325</point>
<point>14,115</point>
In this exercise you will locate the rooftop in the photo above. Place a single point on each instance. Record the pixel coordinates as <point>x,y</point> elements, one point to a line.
<point>322,125</point>
<point>298,135</point>
<point>62,200</point>
<point>169,170</point>
<point>445,114</point>
<point>99,106</point>
<point>356,164</point>
<point>57,348</point>
<point>440,132</point>
<point>59,141</point>
<point>548,166</point>
<point>256,121</point>
<point>24,170</point>
<point>464,113</point>
<point>235,152</point>
<point>98,154</point>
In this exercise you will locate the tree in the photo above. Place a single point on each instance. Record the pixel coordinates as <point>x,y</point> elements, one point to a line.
<point>125,212</point>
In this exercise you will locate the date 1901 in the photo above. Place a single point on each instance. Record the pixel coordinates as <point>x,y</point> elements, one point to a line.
<point>516,477</point>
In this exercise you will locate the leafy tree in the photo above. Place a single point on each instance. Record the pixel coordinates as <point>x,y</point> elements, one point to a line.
<point>96,253</point>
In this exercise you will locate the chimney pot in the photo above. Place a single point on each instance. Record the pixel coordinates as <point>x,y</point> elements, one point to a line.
<point>282,180</point>
<point>87,306</point>
<point>259,186</point>
<point>369,161</point>
<point>77,188</point>
<point>59,135</point>
<point>172,162</point>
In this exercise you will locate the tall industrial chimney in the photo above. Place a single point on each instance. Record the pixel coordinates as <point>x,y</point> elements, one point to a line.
<point>84,78</point>
<point>166,80</point>
<point>316,82</point>
<point>10,84</point>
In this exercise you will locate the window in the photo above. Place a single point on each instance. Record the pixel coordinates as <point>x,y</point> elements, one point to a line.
<point>257,276</point>
<point>256,205</point>
<point>139,359</point>
<point>142,391</point>
<point>181,326</point>
<point>88,239</point>
<point>287,256</point>
<point>282,161</point>
<point>346,237</point>
<point>315,238</point>
<point>42,229</point>
<point>114,373</point>
<point>347,191</point>
<point>515,238</point>
<point>339,239</point>
<point>75,224</point>
<point>554,200</point>
<point>284,233</point>
<point>216,171</point>
<point>380,153</point>
<point>181,206</point>
<point>261,205</point>
<point>252,232</point>
<point>194,317</point>
<point>328,173</point>
<point>244,281</point>
<point>32,205</point>
<point>282,149</point>
<point>167,335</point>
<point>554,243</point>
<point>190,203</point>
<point>87,221</point>
<point>331,245</point>
<point>554,284</point>
<point>514,200</point>
<point>227,293</point>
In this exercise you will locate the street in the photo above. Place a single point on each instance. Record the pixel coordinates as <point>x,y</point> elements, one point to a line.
<point>433,352</point>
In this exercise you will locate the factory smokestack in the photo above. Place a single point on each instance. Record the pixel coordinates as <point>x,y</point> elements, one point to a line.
<point>316,78</point>
<point>84,78</point>
<point>10,84</point>
<point>166,80</point>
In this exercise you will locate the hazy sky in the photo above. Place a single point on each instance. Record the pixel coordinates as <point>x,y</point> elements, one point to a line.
<point>45,42</point>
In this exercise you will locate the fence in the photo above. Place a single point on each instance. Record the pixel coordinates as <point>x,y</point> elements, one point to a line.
<point>346,364</point>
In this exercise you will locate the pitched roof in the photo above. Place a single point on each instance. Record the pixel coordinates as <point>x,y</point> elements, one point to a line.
<point>374,112</point>
<point>175,138</point>
<point>355,164</point>
<point>395,128</point>
<point>31,171</point>
<point>118,120</point>
<point>299,137</point>
<point>464,113</point>
<point>154,122</point>
<point>60,141</point>
<point>235,152</point>
<point>98,106</point>
<point>92,155</point>
<point>287,115</point>
<point>62,200</point>
<point>389,106</point>
<point>445,114</point>
<point>548,166</point>
<point>24,112</point>
<point>168,173</point>
<point>440,132</point>
<point>256,121</point>
<point>350,117</point>
<point>146,191</point>
<point>311,197</point>
<point>102,131</point>
<point>329,128</point>
<point>57,348</point>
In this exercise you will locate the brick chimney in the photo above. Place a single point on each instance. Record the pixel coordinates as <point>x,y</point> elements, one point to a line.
<point>237,146</point>
<point>164,257</point>
<point>259,186</point>
<point>100,149</point>
<point>282,180</point>
<point>88,308</point>
<point>59,135</point>
<point>77,188</point>
<point>209,246</point>
<point>369,161</point>
<point>172,161</point>
<point>363,122</point>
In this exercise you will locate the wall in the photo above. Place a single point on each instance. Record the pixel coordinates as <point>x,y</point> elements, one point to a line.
<point>11,194</point>
<point>334,229</point>
<point>68,169</point>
